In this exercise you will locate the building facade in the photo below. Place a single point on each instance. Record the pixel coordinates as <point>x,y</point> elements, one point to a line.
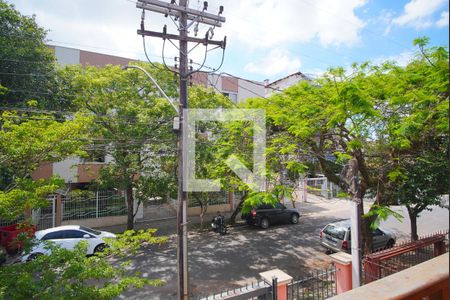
<point>78,172</point>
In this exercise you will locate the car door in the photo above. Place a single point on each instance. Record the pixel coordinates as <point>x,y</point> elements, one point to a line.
<point>281,213</point>
<point>55,237</point>
<point>93,241</point>
<point>72,238</point>
<point>378,239</point>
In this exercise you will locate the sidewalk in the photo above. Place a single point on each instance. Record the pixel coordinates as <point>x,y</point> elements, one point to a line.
<point>168,226</point>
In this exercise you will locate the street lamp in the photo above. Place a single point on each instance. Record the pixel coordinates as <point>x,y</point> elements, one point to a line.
<point>156,84</point>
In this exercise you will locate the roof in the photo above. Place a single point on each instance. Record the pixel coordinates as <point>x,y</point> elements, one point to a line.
<point>286,77</point>
<point>39,234</point>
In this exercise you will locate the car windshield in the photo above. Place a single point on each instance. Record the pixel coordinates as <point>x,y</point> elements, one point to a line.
<point>90,230</point>
<point>334,231</point>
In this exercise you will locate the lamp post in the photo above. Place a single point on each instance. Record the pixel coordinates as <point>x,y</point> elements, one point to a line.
<point>156,84</point>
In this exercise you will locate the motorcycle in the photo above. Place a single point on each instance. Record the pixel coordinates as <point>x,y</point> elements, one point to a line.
<point>218,224</point>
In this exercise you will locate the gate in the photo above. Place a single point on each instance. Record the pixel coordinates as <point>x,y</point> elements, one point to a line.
<point>44,217</point>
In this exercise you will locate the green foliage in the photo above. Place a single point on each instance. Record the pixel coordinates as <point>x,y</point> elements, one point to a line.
<point>69,274</point>
<point>384,116</point>
<point>25,142</point>
<point>26,60</point>
<point>381,213</point>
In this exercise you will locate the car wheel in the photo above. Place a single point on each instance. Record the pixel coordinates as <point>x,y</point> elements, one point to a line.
<point>99,248</point>
<point>264,223</point>
<point>294,218</point>
<point>390,244</point>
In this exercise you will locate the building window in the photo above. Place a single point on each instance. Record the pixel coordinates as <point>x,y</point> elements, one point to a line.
<point>232,96</point>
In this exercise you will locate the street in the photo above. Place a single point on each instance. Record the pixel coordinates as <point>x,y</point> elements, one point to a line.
<point>218,263</point>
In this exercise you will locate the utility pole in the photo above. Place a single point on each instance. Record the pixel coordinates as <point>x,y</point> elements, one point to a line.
<point>355,218</point>
<point>183,14</point>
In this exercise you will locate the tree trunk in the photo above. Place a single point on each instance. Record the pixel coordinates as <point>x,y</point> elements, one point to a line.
<point>238,209</point>
<point>130,208</point>
<point>203,209</point>
<point>413,220</point>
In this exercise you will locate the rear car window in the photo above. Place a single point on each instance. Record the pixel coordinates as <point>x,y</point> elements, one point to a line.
<point>334,231</point>
<point>90,230</point>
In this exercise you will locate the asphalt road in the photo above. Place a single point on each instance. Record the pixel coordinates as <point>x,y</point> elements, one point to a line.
<point>220,262</point>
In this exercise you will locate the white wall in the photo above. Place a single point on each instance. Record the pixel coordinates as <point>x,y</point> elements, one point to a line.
<point>67,169</point>
<point>215,80</point>
<point>67,56</point>
<point>283,84</point>
<point>248,89</point>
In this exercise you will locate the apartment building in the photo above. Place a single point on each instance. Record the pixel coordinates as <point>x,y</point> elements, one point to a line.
<point>78,172</point>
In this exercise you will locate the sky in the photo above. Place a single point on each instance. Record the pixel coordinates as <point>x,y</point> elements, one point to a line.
<point>266,39</point>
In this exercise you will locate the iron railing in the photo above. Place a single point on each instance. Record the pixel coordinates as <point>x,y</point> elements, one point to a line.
<point>403,256</point>
<point>317,285</point>
<point>259,290</point>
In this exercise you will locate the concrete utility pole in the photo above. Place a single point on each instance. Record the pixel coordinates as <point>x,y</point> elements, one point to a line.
<point>183,14</point>
<point>355,217</point>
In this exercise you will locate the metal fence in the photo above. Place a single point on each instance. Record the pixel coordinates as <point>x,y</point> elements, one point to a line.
<point>44,217</point>
<point>403,256</point>
<point>259,290</point>
<point>16,221</point>
<point>317,285</point>
<point>93,205</point>
<point>214,198</point>
<point>320,186</point>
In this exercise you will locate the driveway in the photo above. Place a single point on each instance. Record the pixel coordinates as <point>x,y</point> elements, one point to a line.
<point>217,262</point>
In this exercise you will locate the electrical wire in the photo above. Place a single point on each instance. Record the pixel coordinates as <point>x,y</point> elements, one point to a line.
<point>146,55</point>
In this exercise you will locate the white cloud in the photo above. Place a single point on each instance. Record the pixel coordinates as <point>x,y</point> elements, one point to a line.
<point>418,13</point>
<point>401,59</point>
<point>443,21</point>
<point>276,62</point>
<point>266,23</point>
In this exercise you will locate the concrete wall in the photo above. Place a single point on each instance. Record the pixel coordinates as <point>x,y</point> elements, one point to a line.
<point>67,169</point>
<point>67,56</point>
<point>44,171</point>
<point>215,80</point>
<point>248,89</point>
<point>88,172</point>
<point>212,209</point>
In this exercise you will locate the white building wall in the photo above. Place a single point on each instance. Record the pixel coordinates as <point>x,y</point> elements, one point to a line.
<point>248,89</point>
<point>67,56</point>
<point>283,84</point>
<point>67,169</point>
<point>214,80</point>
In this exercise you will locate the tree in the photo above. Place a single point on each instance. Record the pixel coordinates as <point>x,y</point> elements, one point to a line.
<point>70,274</point>
<point>26,140</point>
<point>371,114</point>
<point>419,135</point>
<point>132,124</point>
<point>26,63</point>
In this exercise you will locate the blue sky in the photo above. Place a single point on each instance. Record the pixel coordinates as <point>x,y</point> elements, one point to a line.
<point>266,38</point>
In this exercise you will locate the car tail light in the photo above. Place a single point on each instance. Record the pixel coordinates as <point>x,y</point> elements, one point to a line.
<point>321,234</point>
<point>345,245</point>
<point>253,212</point>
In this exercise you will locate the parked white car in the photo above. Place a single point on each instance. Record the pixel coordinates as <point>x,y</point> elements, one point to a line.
<point>68,237</point>
<point>336,237</point>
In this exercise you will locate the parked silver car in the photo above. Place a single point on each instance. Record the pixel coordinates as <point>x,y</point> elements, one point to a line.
<point>337,237</point>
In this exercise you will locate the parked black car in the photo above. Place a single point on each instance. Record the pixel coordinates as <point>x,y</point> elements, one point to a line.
<point>266,215</point>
